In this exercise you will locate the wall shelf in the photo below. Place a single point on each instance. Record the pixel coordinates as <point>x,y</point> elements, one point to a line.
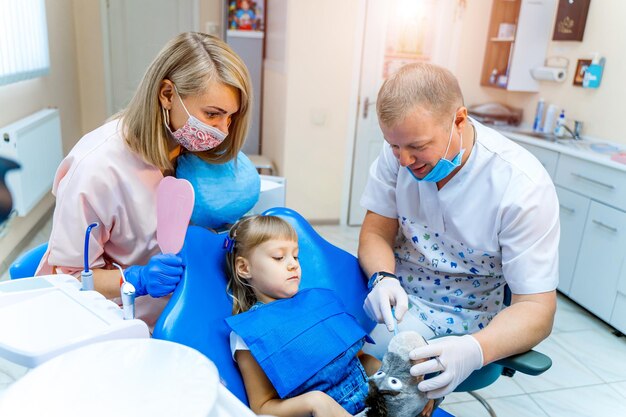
<point>514,57</point>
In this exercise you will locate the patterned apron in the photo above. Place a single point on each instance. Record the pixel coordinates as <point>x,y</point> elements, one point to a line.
<point>452,288</point>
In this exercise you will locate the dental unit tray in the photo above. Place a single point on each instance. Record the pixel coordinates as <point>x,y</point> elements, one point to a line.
<point>45,316</point>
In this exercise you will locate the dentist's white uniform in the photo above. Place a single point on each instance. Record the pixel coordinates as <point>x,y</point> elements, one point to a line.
<point>495,222</point>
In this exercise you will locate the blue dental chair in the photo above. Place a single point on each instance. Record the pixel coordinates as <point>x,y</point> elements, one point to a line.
<point>26,264</point>
<point>195,314</point>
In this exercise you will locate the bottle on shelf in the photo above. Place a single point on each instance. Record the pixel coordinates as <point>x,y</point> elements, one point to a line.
<point>493,77</point>
<point>550,119</point>
<point>558,129</point>
<point>539,115</point>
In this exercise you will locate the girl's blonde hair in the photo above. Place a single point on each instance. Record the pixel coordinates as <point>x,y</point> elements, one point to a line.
<point>191,60</point>
<point>432,87</point>
<point>246,235</point>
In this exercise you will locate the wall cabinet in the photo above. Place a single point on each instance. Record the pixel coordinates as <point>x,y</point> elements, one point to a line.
<point>592,250</point>
<point>517,41</point>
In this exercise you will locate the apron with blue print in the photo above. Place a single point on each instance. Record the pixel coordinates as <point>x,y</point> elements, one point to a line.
<point>453,288</point>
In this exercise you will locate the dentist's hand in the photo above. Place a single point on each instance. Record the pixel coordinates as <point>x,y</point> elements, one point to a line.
<point>458,357</point>
<point>388,292</point>
<point>159,277</point>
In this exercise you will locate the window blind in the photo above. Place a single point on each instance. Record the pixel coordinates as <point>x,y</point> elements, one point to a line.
<point>23,40</point>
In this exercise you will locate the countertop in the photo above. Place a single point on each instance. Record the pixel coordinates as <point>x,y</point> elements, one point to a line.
<point>577,148</point>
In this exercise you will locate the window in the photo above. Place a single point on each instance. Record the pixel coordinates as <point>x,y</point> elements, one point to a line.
<point>23,40</point>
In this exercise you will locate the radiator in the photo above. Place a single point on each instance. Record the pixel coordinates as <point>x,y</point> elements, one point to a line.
<point>35,143</point>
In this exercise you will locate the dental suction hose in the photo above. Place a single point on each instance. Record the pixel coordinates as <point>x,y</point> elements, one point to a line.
<point>86,275</point>
<point>127,292</point>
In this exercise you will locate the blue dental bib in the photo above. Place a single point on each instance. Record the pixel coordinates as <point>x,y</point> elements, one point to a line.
<point>292,339</point>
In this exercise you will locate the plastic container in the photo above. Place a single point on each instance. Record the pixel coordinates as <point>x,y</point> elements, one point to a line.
<point>559,131</point>
<point>550,120</point>
<point>539,115</point>
<point>593,73</point>
<point>493,77</point>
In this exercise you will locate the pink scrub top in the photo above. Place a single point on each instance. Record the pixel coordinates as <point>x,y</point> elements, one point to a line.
<point>102,180</point>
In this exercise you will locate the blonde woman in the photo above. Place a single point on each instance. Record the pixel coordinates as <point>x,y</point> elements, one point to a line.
<point>195,97</point>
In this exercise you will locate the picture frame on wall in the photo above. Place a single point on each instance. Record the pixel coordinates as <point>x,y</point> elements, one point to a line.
<point>246,15</point>
<point>571,18</point>
<point>579,75</point>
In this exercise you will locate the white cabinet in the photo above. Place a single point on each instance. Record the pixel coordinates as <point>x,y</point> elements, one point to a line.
<point>618,317</point>
<point>592,249</point>
<point>573,208</point>
<point>601,183</point>
<point>600,258</point>
<point>547,157</point>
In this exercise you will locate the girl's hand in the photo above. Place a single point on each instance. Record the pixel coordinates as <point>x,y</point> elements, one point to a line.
<point>322,405</point>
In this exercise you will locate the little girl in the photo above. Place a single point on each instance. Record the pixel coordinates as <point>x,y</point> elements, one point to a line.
<point>299,352</point>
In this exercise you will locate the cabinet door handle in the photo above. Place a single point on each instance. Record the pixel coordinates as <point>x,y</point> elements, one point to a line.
<point>567,209</point>
<point>596,182</point>
<point>606,226</point>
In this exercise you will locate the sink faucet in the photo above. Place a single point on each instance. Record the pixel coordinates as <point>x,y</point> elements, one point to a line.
<point>578,125</point>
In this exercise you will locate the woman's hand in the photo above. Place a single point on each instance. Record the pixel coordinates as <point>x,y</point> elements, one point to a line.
<point>159,277</point>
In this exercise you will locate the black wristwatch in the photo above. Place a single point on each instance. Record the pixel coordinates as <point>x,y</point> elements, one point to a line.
<point>377,277</point>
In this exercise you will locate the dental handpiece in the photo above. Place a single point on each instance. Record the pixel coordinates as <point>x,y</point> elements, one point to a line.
<point>127,292</point>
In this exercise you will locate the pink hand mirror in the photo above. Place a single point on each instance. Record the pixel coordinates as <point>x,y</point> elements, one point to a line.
<point>175,198</point>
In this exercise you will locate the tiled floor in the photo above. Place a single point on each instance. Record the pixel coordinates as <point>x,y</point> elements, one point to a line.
<point>587,378</point>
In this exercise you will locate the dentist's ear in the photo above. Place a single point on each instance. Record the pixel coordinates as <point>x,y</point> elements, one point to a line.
<point>461,117</point>
<point>242,267</point>
<point>166,94</point>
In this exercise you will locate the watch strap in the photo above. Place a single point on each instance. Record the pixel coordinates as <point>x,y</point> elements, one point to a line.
<point>377,277</point>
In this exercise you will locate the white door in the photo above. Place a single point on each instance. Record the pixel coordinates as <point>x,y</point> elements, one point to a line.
<point>397,32</point>
<point>137,30</point>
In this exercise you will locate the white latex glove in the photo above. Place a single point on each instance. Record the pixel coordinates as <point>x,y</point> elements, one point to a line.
<point>458,356</point>
<point>388,292</point>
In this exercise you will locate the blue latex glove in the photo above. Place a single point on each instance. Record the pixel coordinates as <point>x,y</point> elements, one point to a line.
<point>159,277</point>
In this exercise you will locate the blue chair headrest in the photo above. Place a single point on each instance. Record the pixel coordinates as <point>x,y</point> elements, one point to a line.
<point>224,192</point>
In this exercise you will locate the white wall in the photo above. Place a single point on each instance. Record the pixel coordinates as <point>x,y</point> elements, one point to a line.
<point>59,89</point>
<point>313,78</point>
<point>600,109</point>
<point>307,106</point>
<point>90,54</point>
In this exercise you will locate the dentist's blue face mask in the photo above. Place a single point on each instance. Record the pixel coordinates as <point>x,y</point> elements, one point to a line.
<point>444,167</point>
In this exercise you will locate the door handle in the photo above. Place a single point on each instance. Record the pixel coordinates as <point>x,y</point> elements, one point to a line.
<point>606,226</point>
<point>567,209</point>
<point>366,106</point>
<point>591,180</point>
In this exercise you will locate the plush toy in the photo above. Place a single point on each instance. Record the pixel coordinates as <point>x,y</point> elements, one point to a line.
<point>392,390</point>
